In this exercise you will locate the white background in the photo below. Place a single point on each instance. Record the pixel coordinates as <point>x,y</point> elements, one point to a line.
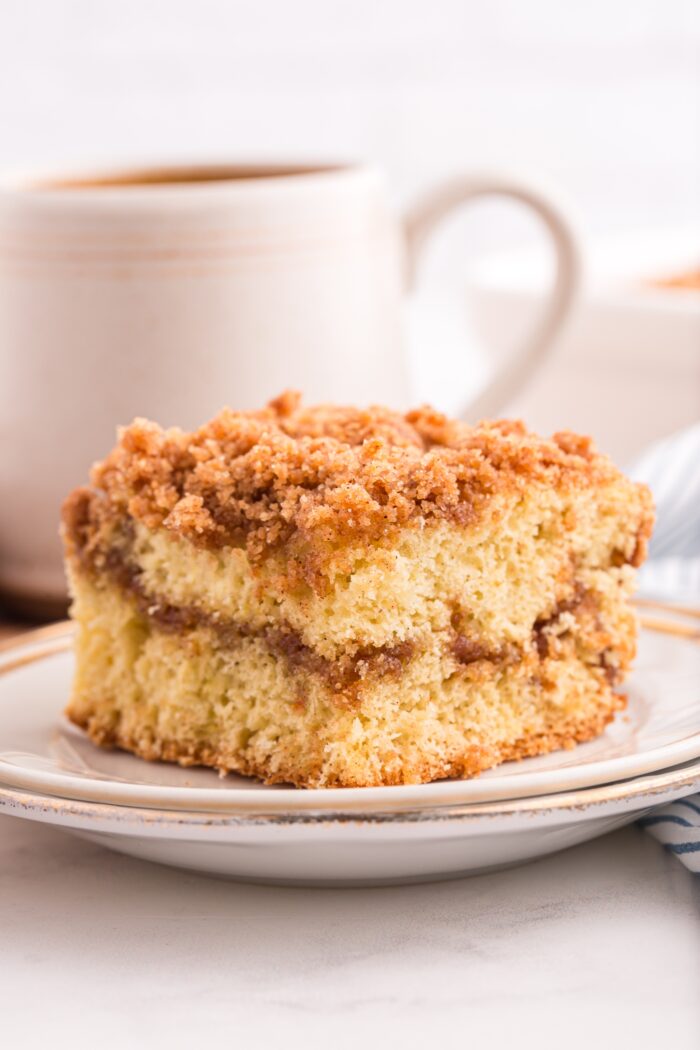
<point>599,100</point>
<point>601,97</point>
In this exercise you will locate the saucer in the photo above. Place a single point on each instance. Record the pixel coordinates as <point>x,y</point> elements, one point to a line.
<point>356,849</point>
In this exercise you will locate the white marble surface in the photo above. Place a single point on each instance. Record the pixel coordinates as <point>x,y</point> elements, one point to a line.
<point>597,945</point>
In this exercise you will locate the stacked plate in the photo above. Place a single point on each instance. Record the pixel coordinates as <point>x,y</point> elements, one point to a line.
<point>230,826</point>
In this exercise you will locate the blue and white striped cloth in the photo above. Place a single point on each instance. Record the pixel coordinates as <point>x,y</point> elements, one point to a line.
<point>677,826</point>
<point>672,470</point>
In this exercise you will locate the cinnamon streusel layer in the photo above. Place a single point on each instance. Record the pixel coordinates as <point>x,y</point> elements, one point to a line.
<point>331,596</point>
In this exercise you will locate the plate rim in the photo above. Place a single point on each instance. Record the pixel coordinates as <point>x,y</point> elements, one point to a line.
<point>683,780</point>
<point>45,642</point>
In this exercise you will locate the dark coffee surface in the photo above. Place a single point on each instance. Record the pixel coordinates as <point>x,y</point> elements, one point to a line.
<point>182,176</point>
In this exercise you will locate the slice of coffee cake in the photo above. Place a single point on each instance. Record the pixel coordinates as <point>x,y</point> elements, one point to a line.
<point>329,596</point>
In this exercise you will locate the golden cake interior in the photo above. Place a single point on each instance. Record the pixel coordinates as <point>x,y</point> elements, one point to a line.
<point>336,597</point>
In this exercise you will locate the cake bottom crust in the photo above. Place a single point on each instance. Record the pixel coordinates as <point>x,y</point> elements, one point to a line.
<point>560,735</point>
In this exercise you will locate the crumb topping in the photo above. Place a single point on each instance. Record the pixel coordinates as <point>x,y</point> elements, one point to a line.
<point>320,476</point>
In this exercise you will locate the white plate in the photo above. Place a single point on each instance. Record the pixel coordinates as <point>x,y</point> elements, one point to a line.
<point>41,752</point>
<point>355,849</point>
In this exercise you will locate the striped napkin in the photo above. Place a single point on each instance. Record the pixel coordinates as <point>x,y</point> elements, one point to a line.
<point>671,468</point>
<point>678,827</point>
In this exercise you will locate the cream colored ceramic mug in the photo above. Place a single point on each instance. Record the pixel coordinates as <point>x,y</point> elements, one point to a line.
<point>171,293</point>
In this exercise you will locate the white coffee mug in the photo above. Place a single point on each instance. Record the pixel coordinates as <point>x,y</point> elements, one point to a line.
<point>169,293</point>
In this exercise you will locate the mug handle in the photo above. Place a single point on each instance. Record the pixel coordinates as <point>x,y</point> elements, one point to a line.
<point>429,212</point>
